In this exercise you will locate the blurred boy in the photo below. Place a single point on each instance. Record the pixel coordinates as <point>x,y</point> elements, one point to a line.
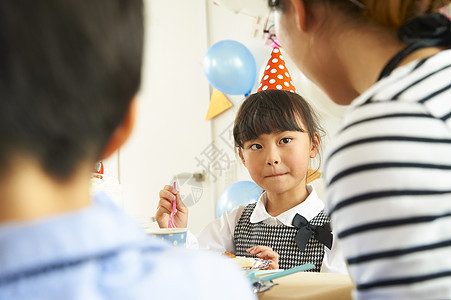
<point>69,71</point>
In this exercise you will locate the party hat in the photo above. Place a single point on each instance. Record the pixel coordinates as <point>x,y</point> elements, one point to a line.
<point>276,75</point>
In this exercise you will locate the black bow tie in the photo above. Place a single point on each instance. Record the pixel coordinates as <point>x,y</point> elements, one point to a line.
<point>322,233</point>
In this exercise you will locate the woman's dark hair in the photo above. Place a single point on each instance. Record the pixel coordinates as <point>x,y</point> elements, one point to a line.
<point>390,14</point>
<point>273,111</point>
<point>68,72</point>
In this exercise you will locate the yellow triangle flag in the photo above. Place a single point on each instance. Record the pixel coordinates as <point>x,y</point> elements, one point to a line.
<point>312,175</point>
<point>218,104</point>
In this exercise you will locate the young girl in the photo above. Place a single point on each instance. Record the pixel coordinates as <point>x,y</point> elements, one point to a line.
<point>276,135</point>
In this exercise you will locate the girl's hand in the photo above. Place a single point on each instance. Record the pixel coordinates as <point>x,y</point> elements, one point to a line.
<point>167,195</point>
<point>266,253</point>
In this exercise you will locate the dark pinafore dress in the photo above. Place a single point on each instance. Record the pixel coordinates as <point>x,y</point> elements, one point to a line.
<point>281,239</point>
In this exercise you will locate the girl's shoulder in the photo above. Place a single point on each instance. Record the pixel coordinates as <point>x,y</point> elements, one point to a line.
<point>248,210</point>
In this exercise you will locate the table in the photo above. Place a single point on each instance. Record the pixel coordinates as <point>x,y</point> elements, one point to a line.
<point>308,285</point>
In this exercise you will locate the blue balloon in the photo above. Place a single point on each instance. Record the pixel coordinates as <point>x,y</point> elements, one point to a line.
<point>230,68</point>
<point>238,193</point>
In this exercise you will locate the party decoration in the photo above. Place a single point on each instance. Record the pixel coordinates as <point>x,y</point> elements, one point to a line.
<point>312,175</point>
<point>238,193</point>
<point>218,104</point>
<point>255,8</point>
<point>105,183</point>
<point>276,75</point>
<point>99,170</point>
<point>230,67</point>
<point>271,38</point>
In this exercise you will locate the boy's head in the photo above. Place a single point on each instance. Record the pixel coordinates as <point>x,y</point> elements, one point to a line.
<point>272,111</point>
<point>68,72</point>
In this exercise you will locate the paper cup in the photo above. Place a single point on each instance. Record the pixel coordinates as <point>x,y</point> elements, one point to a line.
<point>175,236</point>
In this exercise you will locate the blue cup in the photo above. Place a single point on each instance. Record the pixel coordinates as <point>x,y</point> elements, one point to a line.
<point>174,236</point>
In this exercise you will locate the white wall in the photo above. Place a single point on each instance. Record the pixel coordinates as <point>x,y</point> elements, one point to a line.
<point>170,129</point>
<point>171,134</point>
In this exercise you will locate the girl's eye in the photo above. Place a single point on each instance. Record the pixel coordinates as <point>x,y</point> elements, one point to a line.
<point>255,146</point>
<point>285,140</point>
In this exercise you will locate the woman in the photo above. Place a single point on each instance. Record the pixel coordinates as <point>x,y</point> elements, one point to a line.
<point>389,169</point>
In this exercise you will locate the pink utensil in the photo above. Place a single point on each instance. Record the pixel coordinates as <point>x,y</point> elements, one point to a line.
<point>171,223</point>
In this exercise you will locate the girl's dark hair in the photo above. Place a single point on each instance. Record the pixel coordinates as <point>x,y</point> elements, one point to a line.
<point>273,111</point>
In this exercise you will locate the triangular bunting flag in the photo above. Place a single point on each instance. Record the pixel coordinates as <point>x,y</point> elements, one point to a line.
<point>312,175</point>
<point>218,104</point>
<point>276,75</point>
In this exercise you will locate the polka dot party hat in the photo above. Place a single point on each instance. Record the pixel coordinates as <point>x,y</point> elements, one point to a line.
<point>276,75</point>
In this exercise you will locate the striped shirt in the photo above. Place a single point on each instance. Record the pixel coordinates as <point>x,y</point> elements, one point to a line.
<point>388,173</point>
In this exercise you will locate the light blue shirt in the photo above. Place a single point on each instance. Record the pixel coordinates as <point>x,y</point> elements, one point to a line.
<point>100,253</point>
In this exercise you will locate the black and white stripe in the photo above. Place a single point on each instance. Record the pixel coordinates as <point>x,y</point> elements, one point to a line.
<point>389,183</point>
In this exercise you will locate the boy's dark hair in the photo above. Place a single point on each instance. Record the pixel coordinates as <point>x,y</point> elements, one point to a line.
<point>273,111</point>
<point>68,71</point>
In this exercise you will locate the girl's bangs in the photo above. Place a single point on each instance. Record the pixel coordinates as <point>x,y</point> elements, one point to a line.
<point>265,119</point>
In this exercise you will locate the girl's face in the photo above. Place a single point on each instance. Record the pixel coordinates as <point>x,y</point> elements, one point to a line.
<point>278,161</point>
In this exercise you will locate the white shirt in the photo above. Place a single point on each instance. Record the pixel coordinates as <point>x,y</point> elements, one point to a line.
<point>218,236</point>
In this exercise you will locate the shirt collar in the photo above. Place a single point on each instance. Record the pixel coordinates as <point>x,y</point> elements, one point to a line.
<point>309,209</point>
